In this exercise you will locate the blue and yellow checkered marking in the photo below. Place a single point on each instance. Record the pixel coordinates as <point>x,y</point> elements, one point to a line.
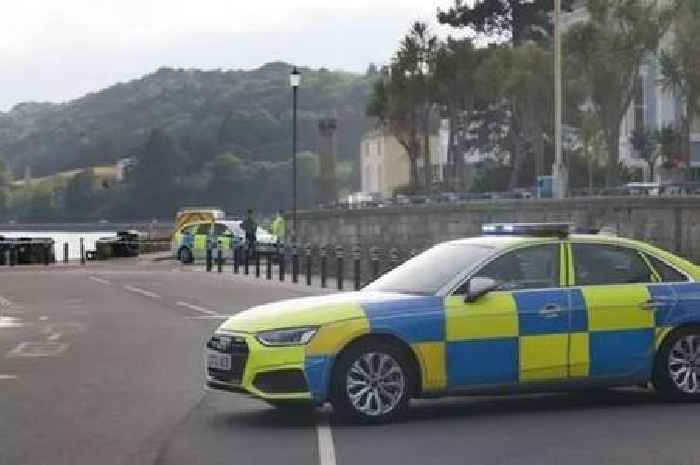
<point>502,338</point>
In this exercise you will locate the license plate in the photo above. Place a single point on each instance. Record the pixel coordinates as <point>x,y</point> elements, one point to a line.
<point>219,361</point>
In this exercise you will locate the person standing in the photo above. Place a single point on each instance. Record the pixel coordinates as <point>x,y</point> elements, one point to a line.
<point>250,227</point>
<point>279,227</point>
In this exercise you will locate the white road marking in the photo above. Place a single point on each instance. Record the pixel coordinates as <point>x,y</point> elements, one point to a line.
<point>326,449</point>
<point>4,302</point>
<point>208,317</point>
<point>43,318</point>
<point>10,322</point>
<point>54,337</point>
<point>100,280</point>
<point>197,308</point>
<point>6,377</point>
<point>143,292</point>
<point>38,349</point>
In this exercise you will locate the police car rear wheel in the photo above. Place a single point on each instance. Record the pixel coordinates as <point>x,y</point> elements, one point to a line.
<point>372,383</point>
<point>677,370</point>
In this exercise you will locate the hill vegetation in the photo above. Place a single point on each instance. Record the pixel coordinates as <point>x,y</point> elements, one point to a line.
<point>211,137</point>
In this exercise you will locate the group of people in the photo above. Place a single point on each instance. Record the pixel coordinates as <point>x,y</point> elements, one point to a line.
<point>250,227</point>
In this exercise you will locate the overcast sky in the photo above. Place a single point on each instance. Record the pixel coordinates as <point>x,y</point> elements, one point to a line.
<point>59,50</point>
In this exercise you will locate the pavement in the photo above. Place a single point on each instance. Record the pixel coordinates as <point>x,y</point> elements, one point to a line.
<point>102,364</point>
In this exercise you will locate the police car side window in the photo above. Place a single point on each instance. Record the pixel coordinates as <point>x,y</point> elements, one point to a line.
<point>220,229</point>
<point>204,229</point>
<point>667,273</point>
<point>600,264</point>
<point>534,267</point>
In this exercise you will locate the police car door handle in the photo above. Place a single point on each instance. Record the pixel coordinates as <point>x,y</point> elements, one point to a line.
<point>652,305</point>
<point>550,311</point>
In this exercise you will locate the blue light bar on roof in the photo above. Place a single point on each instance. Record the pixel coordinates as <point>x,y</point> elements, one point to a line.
<point>526,229</point>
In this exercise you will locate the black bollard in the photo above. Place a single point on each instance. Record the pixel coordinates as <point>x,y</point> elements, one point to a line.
<point>209,259</point>
<point>219,260</point>
<point>236,258</point>
<point>82,251</point>
<point>394,258</point>
<point>295,264</point>
<point>308,264</point>
<point>339,266</point>
<point>46,255</point>
<point>13,255</point>
<point>374,257</point>
<point>257,264</point>
<point>356,265</point>
<point>268,271</point>
<point>324,264</point>
<point>282,262</point>
<point>65,252</point>
<point>246,261</point>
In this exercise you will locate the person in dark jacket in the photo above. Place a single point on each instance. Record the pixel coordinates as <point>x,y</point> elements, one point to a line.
<point>250,227</point>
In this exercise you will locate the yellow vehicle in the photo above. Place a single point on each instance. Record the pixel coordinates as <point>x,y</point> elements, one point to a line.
<point>524,307</point>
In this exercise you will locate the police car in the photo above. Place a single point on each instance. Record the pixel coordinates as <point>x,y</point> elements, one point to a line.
<point>191,241</point>
<point>524,307</point>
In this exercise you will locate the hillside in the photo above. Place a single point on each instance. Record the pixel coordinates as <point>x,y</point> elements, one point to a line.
<point>205,113</point>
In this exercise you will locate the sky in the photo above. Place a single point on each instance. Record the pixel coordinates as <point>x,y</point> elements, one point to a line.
<point>60,50</point>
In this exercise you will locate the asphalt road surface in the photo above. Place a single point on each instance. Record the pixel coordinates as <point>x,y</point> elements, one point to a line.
<point>103,364</point>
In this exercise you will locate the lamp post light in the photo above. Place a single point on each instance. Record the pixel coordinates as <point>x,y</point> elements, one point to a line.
<point>294,81</point>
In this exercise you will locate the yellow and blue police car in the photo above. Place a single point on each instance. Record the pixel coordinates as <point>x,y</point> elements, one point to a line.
<point>524,307</point>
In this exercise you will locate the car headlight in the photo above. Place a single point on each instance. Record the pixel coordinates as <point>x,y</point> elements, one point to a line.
<point>287,337</point>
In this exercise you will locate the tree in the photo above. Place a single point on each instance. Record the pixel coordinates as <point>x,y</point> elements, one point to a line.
<point>645,143</point>
<point>607,51</point>
<point>395,102</point>
<point>456,62</point>
<point>669,139</point>
<point>515,20</point>
<point>81,199</point>
<point>589,132</point>
<point>680,66</point>
<point>522,76</point>
<point>5,183</point>
<point>156,177</point>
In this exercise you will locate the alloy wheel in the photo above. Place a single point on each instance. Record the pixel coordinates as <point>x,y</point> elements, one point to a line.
<point>375,384</point>
<point>684,364</point>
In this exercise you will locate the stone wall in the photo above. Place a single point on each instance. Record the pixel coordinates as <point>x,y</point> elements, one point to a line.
<point>672,223</point>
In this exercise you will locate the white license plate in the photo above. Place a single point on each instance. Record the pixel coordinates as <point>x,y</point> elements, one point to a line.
<point>219,361</point>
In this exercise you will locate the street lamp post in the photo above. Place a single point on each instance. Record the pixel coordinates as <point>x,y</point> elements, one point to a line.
<point>294,81</point>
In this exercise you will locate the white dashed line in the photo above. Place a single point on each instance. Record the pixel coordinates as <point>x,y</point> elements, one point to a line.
<point>197,308</point>
<point>54,337</point>
<point>144,292</point>
<point>7,377</point>
<point>100,280</point>
<point>43,318</point>
<point>326,449</point>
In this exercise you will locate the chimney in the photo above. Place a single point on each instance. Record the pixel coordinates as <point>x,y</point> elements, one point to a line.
<point>327,148</point>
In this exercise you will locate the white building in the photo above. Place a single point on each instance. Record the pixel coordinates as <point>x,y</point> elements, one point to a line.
<point>651,107</point>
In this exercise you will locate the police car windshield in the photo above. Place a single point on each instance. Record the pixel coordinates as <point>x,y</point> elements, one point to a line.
<point>426,273</point>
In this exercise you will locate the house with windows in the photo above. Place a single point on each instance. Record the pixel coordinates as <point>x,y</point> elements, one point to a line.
<point>385,165</point>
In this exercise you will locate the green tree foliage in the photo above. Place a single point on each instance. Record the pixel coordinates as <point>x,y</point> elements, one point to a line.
<point>515,20</point>
<point>205,113</point>
<point>680,65</point>
<point>645,143</point>
<point>523,77</point>
<point>82,195</point>
<point>607,51</point>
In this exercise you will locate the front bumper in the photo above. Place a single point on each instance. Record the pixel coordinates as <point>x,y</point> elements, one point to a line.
<point>270,373</point>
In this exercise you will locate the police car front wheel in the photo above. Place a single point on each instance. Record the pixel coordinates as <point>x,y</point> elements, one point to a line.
<point>372,382</point>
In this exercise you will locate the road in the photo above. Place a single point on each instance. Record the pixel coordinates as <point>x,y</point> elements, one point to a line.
<point>103,364</point>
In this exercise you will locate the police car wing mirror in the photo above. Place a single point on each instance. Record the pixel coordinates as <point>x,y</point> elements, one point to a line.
<point>478,287</point>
